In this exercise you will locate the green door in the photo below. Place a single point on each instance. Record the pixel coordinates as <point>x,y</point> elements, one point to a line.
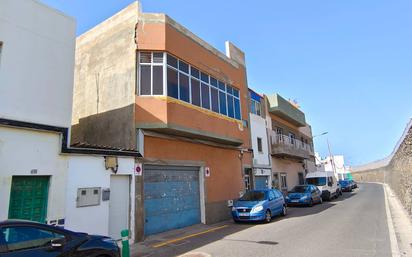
<point>28,198</point>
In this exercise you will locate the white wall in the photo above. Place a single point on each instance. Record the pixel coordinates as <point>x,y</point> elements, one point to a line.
<point>258,129</point>
<point>37,63</point>
<point>89,171</point>
<point>24,150</point>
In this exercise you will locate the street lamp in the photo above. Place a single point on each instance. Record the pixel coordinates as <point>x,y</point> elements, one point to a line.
<point>322,134</point>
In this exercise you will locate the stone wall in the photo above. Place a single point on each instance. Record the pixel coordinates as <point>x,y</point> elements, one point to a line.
<point>397,174</point>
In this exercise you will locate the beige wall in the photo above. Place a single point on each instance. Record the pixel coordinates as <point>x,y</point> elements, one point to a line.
<point>290,167</point>
<point>104,83</point>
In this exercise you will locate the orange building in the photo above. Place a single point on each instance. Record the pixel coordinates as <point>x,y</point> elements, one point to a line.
<point>144,82</point>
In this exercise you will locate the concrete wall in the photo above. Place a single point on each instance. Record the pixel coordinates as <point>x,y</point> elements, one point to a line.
<point>89,171</point>
<point>397,174</point>
<point>37,59</point>
<point>22,151</point>
<point>105,81</point>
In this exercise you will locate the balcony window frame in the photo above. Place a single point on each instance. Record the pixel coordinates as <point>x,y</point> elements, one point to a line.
<point>199,76</point>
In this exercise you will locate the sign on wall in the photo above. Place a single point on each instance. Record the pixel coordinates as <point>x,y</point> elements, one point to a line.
<point>138,169</point>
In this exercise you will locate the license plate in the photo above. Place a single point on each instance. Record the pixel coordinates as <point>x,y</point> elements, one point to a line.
<point>295,201</point>
<point>243,214</point>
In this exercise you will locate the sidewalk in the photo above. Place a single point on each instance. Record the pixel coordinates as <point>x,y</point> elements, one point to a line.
<point>173,238</point>
<point>401,224</point>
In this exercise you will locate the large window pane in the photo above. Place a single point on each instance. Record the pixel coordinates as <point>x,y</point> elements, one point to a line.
<point>157,80</point>
<point>184,87</point>
<point>205,96</point>
<point>237,109</point>
<point>222,103</point>
<point>215,99</point>
<point>172,87</point>
<point>230,108</point>
<point>145,79</point>
<point>195,92</point>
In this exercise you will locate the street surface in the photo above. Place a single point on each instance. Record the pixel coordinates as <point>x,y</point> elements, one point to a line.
<point>354,225</point>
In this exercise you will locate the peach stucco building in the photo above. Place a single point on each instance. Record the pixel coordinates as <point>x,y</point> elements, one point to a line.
<point>144,82</point>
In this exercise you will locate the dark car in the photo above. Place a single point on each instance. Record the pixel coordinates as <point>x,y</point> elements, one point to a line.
<point>304,195</point>
<point>355,185</point>
<point>347,185</point>
<point>19,238</point>
<point>259,205</point>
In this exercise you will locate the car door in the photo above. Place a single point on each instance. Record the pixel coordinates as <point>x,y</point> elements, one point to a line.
<point>279,201</point>
<point>29,241</point>
<point>272,201</point>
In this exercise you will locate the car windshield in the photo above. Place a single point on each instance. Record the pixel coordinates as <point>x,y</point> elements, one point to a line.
<point>253,196</point>
<point>319,181</point>
<point>300,189</point>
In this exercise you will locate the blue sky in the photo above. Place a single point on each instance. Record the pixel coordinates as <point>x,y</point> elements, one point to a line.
<point>347,63</point>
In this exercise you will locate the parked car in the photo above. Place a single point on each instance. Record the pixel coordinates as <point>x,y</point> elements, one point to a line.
<point>355,185</point>
<point>304,195</point>
<point>20,238</point>
<point>259,205</point>
<point>325,182</point>
<point>347,185</point>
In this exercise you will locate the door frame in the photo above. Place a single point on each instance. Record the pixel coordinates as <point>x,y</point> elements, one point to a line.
<point>129,211</point>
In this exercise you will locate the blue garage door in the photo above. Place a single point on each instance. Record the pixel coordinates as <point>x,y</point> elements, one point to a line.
<point>261,182</point>
<point>171,197</point>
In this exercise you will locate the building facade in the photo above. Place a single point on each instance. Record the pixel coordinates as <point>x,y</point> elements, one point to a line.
<point>260,176</point>
<point>43,178</point>
<point>291,143</point>
<point>145,82</point>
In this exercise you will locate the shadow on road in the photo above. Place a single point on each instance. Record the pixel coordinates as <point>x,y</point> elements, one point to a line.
<point>300,211</point>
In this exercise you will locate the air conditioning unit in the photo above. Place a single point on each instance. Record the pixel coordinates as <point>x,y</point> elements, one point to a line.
<point>255,161</point>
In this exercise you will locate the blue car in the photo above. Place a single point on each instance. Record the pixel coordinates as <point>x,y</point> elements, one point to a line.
<point>259,205</point>
<point>304,195</point>
<point>347,185</point>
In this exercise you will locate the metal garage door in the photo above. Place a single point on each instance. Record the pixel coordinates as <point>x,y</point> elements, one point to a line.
<point>28,198</point>
<point>171,197</point>
<point>261,182</point>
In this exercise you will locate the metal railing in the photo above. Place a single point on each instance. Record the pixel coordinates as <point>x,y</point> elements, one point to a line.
<point>290,142</point>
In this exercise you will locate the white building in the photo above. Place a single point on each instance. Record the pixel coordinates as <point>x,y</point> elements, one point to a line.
<point>261,169</point>
<point>335,163</point>
<point>42,178</point>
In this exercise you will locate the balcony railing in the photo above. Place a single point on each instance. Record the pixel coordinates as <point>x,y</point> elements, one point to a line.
<point>282,145</point>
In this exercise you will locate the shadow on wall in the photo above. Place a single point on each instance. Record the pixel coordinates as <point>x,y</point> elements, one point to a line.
<point>114,128</point>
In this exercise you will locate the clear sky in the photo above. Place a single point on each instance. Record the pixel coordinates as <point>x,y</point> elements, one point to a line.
<point>348,63</point>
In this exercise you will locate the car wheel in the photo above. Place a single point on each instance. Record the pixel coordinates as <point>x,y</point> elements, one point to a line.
<point>284,211</point>
<point>268,216</point>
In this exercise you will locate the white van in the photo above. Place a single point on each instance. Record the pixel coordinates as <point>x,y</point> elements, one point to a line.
<point>326,182</point>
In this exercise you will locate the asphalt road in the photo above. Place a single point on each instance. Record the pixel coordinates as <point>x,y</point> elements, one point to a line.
<point>354,225</point>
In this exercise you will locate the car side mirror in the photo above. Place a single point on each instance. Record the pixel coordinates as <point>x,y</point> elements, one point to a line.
<point>57,242</point>
<point>271,199</point>
<point>329,184</point>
